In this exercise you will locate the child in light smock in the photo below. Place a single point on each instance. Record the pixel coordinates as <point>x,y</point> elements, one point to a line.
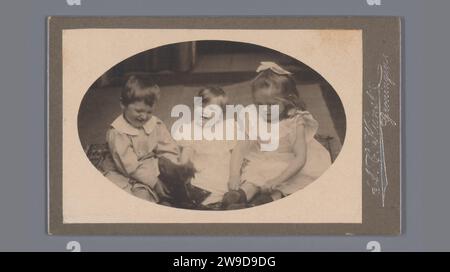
<point>258,177</point>
<point>210,157</point>
<point>136,139</point>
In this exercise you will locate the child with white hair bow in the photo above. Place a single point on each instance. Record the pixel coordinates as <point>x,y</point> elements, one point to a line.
<point>258,177</point>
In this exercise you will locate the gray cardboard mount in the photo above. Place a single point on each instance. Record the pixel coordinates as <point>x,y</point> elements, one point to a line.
<point>381,170</point>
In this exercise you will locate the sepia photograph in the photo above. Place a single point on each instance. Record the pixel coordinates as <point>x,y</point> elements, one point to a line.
<point>222,129</point>
<point>127,125</point>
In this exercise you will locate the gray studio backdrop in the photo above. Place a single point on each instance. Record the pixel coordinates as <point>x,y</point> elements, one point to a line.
<point>425,133</point>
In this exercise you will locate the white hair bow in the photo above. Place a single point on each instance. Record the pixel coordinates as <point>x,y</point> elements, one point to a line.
<point>272,66</point>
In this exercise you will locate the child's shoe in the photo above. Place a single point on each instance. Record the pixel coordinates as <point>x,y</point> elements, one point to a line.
<point>233,197</point>
<point>261,199</point>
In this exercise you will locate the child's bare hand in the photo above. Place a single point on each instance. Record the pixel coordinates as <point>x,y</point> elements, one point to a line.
<point>161,189</point>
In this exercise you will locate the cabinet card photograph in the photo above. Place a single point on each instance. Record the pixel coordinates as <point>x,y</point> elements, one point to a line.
<point>224,126</point>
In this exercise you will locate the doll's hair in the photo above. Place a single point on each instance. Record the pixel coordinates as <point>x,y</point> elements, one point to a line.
<point>138,88</point>
<point>209,92</point>
<point>285,84</point>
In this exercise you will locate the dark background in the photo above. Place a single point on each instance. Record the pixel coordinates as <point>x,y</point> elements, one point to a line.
<point>425,127</point>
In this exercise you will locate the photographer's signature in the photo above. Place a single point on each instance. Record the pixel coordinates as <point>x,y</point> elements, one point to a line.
<point>376,118</point>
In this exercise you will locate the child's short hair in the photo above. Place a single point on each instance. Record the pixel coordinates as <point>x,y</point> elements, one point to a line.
<point>138,88</point>
<point>206,93</point>
<point>285,84</point>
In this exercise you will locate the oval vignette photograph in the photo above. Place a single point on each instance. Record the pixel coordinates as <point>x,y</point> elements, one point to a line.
<point>211,125</point>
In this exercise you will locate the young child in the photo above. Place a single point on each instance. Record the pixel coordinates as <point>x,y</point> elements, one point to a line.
<point>259,176</point>
<point>210,157</point>
<point>136,139</point>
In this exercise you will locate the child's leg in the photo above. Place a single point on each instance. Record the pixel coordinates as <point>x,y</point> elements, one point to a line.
<point>275,195</point>
<point>136,189</point>
<point>144,192</point>
<point>250,190</point>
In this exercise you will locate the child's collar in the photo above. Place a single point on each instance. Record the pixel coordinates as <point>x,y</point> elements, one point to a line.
<point>123,126</point>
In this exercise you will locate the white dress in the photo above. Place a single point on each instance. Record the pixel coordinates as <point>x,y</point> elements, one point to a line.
<point>211,159</point>
<point>261,166</point>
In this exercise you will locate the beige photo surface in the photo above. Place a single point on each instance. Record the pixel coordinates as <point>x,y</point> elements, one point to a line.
<point>335,197</point>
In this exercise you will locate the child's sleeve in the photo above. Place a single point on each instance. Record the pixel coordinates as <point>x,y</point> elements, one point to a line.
<point>127,162</point>
<point>166,144</point>
<point>310,125</point>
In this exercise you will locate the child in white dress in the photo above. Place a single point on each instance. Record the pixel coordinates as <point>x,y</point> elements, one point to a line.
<point>258,177</point>
<point>211,158</point>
